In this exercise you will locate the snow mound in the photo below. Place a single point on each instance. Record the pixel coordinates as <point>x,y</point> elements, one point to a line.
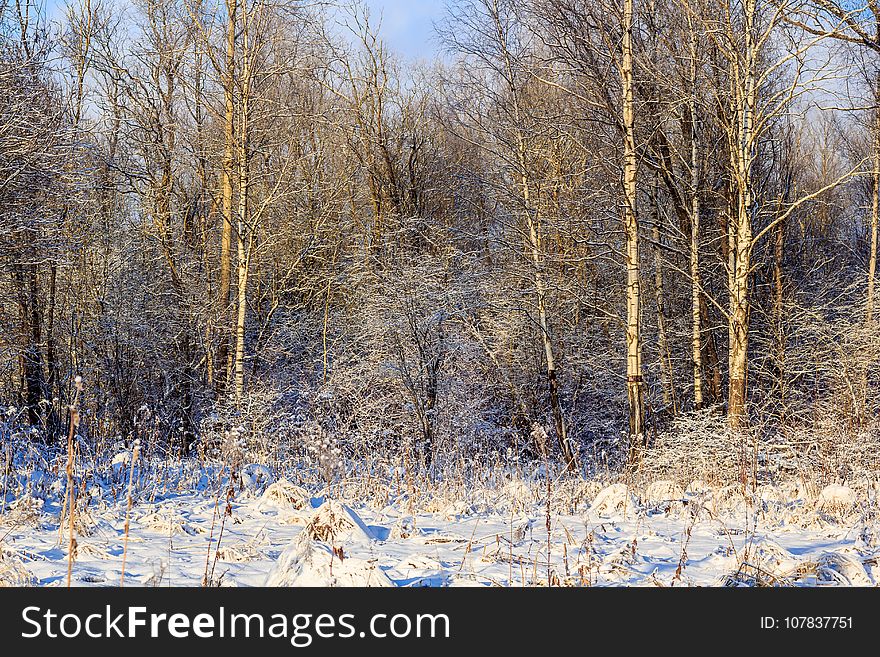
<point>13,573</point>
<point>842,568</point>
<point>87,523</point>
<point>91,551</point>
<point>766,563</point>
<point>25,510</point>
<point>868,538</point>
<point>169,522</point>
<point>121,458</point>
<point>119,465</point>
<point>337,524</point>
<point>308,563</point>
<point>255,478</point>
<point>404,528</point>
<point>836,500</point>
<point>285,495</point>
<point>773,558</point>
<point>612,500</point>
<point>238,553</point>
<point>663,492</point>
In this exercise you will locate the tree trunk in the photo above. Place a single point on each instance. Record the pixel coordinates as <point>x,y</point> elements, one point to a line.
<point>245,234</point>
<point>872,258</point>
<point>739,342</point>
<point>740,233</point>
<point>875,216</point>
<point>541,293</point>
<point>241,317</point>
<point>634,382</point>
<point>738,325</point>
<point>224,356</point>
<point>696,282</point>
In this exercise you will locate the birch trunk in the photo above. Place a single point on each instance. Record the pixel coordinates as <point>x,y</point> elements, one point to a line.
<point>875,215</point>
<point>244,235</point>
<point>224,356</point>
<point>745,98</point>
<point>872,258</point>
<point>634,382</point>
<point>696,282</point>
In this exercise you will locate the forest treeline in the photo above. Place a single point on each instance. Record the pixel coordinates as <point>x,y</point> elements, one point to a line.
<point>583,222</point>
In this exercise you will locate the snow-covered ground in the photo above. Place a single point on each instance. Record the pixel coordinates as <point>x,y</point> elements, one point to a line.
<point>273,532</point>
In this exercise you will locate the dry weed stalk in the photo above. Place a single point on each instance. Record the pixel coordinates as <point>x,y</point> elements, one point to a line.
<point>134,457</point>
<point>683,556</point>
<point>510,551</point>
<point>227,513</point>
<point>210,539</point>
<point>71,497</point>
<point>6,478</point>
<point>469,547</point>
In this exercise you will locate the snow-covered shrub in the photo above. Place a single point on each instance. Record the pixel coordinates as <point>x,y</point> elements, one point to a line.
<point>310,563</point>
<point>255,478</point>
<point>285,495</point>
<point>696,446</point>
<point>337,524</point>
<point>836,500</point>
<point>842,568</point>
<point>763,563</point>
<point>616,499</point>
<point>664,494</point>
<point>515,496</point>
<point>13,573</point>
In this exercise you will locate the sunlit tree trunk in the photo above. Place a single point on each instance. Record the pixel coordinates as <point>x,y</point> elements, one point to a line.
<point>634,382</point>
<point>244,235</point>
<point>744,97</point>
<point>875,215</point>
<point>224,357</point>
<point>696,281</point>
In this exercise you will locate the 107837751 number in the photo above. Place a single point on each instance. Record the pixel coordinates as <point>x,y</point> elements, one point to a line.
<point>810,623</point>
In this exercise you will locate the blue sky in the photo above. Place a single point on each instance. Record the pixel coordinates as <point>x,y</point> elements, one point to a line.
<point>407,25</point>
